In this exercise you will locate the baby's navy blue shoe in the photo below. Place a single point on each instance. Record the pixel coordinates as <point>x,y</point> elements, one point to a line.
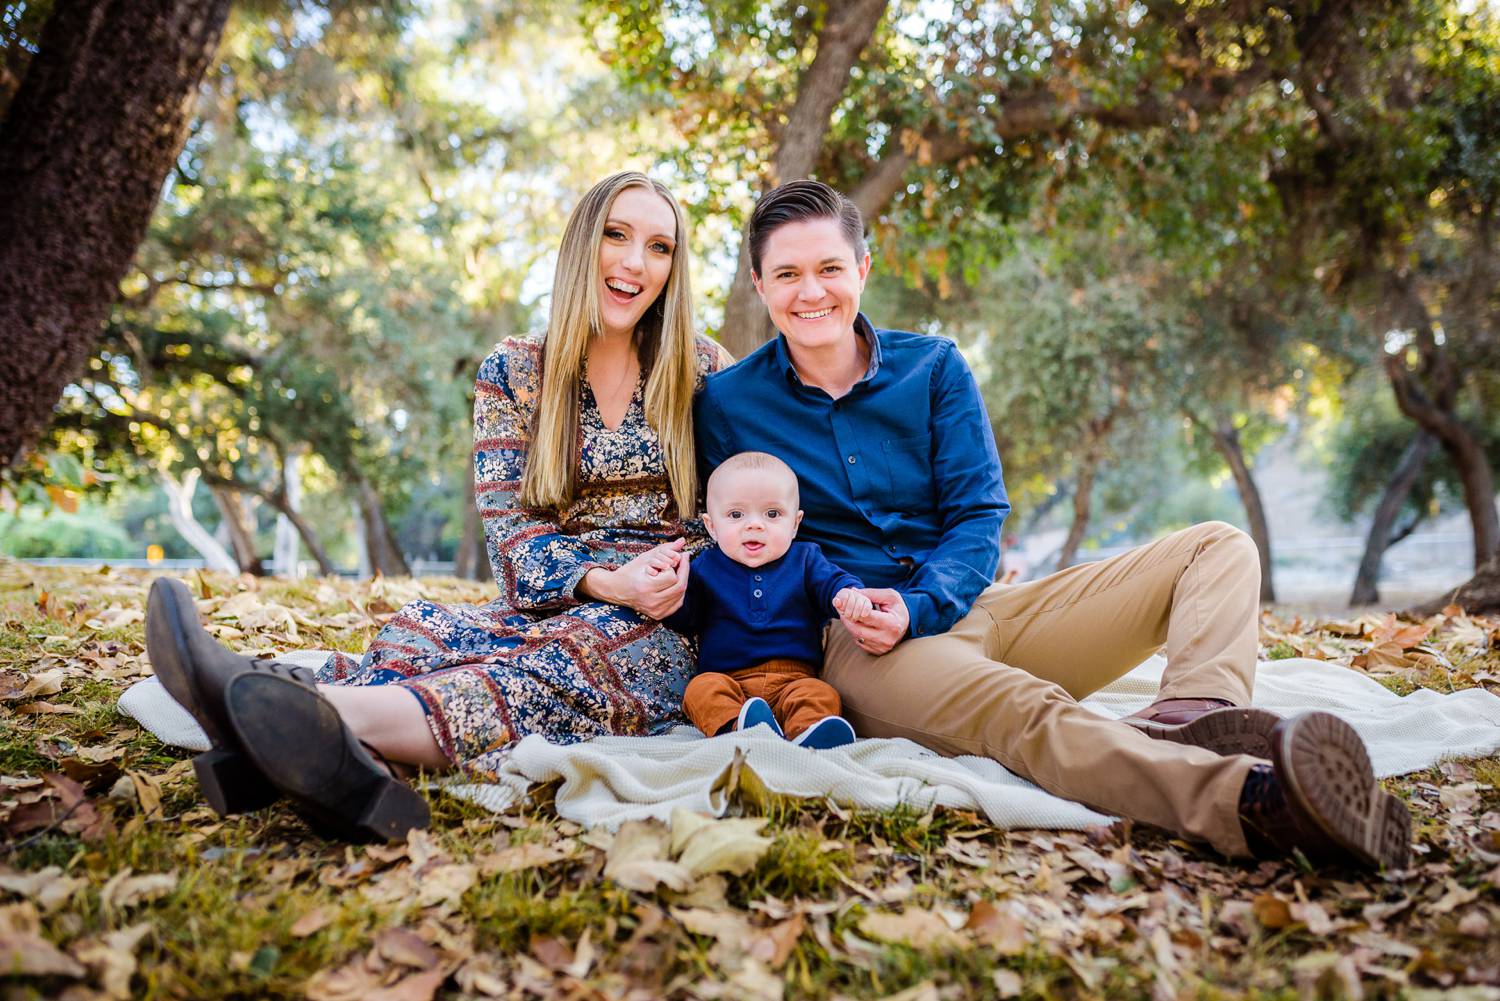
<point>756,711</point>
<point>830,731</point>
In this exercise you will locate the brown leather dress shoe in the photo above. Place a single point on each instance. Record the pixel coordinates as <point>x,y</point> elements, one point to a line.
<point>1319,796</point>
<point>1215,724</point>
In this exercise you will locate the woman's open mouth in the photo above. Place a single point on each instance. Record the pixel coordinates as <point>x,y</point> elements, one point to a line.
<point>621,291</point>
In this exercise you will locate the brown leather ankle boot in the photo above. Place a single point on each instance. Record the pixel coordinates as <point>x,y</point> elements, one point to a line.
<point>1319,796</point>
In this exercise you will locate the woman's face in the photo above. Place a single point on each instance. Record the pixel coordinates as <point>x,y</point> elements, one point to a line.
<point>635,257</point>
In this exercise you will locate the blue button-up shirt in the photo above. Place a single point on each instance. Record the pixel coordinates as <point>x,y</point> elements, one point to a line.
<point>899,479</point>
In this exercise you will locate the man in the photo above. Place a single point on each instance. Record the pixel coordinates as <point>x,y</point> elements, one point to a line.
<point>902,486</point>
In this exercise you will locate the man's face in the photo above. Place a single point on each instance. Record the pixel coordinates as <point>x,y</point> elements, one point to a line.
<point>752,514</point>
<point>810,281</point>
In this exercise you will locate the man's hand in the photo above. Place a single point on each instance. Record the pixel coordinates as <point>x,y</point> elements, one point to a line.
<point>884,625</point>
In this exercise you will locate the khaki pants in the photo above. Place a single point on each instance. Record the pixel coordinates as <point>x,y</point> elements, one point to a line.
<point>1003,682</point>
<point>796,697</point>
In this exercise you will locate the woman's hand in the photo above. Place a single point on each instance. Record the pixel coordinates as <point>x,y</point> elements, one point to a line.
<point>884,625</point>
<point>653,583</point>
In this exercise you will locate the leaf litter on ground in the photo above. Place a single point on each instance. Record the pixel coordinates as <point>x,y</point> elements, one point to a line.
<point>112,865</point>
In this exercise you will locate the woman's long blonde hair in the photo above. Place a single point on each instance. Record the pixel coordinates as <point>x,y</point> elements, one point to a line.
<point>664,345</point>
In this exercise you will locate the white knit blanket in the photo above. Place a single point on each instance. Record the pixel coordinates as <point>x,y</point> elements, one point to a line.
<point>610,780</point>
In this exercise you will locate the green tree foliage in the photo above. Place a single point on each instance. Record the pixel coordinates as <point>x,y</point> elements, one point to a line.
<point>354,222</point>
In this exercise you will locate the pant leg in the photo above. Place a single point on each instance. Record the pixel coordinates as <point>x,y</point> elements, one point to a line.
<point>801,702</point>
<point>712,701</point>
<point>1197,591</point>
<point>954,694</point>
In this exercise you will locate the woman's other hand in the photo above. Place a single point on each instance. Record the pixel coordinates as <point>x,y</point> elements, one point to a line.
<point>653,583</point>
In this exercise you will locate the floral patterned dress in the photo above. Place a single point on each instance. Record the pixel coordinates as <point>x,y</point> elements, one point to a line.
<point>536,659</point>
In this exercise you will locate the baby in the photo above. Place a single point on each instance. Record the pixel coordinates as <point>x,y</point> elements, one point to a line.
<point>757,604</point>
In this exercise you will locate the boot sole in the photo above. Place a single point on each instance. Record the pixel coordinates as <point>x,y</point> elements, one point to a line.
<point>1325,771</point>
<point>230,783</point>
<point>298,741</point>
<point>1233,730</point>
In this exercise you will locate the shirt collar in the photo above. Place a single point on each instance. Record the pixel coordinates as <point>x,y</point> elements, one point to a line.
<point>862,327</point>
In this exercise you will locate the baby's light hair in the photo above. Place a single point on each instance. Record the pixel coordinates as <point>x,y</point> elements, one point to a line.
<point>756,460</point>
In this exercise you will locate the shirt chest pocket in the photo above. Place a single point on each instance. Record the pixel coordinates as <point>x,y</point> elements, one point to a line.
<point>908,467</point>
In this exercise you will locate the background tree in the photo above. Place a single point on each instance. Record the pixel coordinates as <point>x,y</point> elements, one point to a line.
<point>945,119</point>
<point>1397,173</point>
<point>88,136</point>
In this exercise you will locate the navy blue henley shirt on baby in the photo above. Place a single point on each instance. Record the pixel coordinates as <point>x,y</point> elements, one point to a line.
<point>745,616</point>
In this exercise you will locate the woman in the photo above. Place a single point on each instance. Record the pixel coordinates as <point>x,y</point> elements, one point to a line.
<point>586,480</point>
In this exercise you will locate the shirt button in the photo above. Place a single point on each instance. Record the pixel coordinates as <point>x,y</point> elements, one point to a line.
<point>851,460</point>
<point>757,592</point>
<point>757,576</point>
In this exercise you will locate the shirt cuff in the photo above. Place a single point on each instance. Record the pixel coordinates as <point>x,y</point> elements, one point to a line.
<point>571,582</point>
<point>922,612</point>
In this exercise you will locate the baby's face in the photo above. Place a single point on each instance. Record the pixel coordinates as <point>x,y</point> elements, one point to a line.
<point>752,514</point>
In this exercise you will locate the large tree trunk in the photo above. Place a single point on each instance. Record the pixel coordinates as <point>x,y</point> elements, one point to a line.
<point>847,29</point>
<point>472,562</point>
<point>233,517</point>
<point>84,149</point>
<point>1480,595</point>
<point>1227,441</point>
<point>1429,396</point>
<point>385,554</point>
<point>180,510</point>
<point>1382,534</point>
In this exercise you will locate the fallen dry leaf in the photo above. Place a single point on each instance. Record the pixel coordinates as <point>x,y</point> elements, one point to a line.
<point>27,954</point>
<point>47,709</point>
<point>637,859</point>
<point>124,891</point>
<point>705,845</point>
<point>529,855</point>
<point>353,981</point>
<point>914,926</point>
<point>48,887</point>
<point>445,884</point>
<point>1271,911</point>
<point>405,947</point>
<point>416,987</point>
<point>111,959</point>
<point>1008,983</point>
<point>147,792</point>
<point>999,929</point>
<point>313,921</point>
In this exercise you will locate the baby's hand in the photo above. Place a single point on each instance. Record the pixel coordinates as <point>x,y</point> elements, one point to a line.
<point>659,565</point>
<point>852,605</point>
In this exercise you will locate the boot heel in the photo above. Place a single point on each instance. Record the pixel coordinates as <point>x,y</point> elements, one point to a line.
<point>392,810</point>
<point>231,783</point>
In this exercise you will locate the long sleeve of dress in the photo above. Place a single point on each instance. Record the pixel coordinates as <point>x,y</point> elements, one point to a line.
<point>535,563</point>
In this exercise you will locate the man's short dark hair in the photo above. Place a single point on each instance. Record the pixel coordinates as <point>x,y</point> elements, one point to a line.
<point>798,201</point>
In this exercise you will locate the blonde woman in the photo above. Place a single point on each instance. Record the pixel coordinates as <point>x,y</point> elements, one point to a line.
<point>585,477</point>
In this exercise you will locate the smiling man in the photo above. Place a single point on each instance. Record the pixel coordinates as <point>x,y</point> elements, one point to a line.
<point>901,485</point>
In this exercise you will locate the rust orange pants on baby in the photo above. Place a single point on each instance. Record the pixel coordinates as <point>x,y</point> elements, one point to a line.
<point>797,697</point>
